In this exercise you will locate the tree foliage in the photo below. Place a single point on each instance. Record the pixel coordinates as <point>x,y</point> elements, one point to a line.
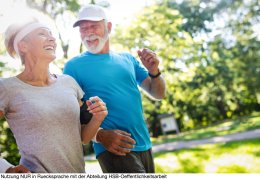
<point>8,146</point>
<point>56,9</point>
<point>211,70</point>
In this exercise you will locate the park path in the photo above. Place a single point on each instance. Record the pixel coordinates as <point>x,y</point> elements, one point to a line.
<point>94,167</point>
<point>219,139</point>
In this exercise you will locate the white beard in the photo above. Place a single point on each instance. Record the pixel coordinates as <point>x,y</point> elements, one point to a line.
<point>101,42</point>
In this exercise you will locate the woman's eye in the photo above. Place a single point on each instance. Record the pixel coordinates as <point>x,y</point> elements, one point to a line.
<point>41,34</point>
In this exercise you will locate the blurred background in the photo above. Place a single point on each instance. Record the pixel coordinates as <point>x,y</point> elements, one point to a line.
<point>209,121</point>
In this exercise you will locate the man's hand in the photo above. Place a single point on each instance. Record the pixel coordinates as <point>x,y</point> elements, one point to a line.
<point>149,60</point>
<point>18,169</point>
<point>116,141</point>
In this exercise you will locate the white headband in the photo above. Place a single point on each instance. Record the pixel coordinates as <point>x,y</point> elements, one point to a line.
<point>26,30</point>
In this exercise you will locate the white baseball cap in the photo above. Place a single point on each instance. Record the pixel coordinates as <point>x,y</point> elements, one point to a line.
<point>91,12</point>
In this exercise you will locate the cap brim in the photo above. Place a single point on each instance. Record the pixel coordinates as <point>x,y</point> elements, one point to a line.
<point>87,19</point>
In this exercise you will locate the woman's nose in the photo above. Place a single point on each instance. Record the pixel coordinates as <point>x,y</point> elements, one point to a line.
<point>51,38</point>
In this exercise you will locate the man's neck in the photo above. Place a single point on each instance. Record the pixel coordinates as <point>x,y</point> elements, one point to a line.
<point>105,49</point>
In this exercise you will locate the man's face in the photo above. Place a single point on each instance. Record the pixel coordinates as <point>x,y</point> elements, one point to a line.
<point>94,35</point>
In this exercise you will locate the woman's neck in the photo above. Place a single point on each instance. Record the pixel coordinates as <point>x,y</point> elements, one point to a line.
<point>37,74</point>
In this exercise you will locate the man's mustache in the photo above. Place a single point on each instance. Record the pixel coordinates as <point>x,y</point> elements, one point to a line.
<point>92,37</point>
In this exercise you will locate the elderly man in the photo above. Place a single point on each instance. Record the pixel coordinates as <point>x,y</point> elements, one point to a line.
<point>123,145</point>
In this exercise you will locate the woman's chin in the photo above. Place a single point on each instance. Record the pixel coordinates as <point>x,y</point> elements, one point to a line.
<point>51,57</point>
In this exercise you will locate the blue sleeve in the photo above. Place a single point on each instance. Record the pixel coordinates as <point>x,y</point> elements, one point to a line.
<point>141,72</point>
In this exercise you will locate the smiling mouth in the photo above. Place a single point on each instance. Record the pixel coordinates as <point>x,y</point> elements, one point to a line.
<point>49,48</point>
<point>91,41</point>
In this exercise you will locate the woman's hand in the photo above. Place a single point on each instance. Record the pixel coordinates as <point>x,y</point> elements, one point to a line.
<point>18,169</point>
<point>98,108</point>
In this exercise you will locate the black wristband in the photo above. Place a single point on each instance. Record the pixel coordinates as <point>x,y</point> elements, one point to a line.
<point>155,76</point>
<point>85,115</point>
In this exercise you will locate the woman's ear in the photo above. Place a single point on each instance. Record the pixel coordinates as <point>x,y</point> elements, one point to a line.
<point>22,46</point>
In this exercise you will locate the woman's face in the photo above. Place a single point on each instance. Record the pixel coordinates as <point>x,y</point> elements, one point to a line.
<point>41,44</point>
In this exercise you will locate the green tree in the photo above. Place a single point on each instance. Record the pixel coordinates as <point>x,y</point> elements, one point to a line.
<point>8,147</point>
<point>211,75</point>
<point>56,10</point>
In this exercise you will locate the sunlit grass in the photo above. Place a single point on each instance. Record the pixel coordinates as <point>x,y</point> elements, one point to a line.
<point>91,161</point>
<point>227,127</point>
<point>232,157</point>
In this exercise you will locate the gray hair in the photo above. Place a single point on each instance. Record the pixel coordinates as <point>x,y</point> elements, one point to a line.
<point>10,35</point>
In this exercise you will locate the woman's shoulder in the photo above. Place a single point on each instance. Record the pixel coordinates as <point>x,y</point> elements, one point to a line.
<point>9,84</point>
<point>7,81</point>
<point>66,79</point>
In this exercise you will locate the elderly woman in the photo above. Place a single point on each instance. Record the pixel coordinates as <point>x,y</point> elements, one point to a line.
<point>43,109</point>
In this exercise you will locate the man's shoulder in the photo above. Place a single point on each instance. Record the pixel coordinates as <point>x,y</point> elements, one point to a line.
<point>125,54</point>
<point>75,59</point>
<point>78,58</point>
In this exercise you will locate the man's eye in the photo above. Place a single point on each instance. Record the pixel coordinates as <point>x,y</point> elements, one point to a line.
<point>82,29</point>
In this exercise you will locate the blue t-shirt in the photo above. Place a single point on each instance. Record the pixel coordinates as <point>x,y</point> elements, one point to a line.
<point>114,78</point>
